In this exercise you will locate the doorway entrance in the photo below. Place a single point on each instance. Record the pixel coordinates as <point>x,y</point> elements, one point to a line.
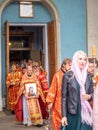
<point>24,41</point>
<point>37,41</point>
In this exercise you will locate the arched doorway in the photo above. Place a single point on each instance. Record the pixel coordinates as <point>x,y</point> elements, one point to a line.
<point>53,25</point>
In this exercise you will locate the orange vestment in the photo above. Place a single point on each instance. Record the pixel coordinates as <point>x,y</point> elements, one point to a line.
<point>19,69</point>
<point>13,83</point>
<point>32,103</point>
<point>43,82</point>
<point>96,78</point>
<point>54,96</point>
<point>44,86</point>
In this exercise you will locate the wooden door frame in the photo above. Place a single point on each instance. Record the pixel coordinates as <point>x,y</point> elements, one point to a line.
<point>7,46</point>
<point>45,41</point>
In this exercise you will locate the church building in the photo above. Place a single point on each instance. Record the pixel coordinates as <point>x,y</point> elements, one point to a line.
<point>45,30</point>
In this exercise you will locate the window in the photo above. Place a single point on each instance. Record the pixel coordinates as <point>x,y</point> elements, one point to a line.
<point>26,9</point>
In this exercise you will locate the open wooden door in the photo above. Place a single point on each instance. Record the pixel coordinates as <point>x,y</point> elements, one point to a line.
<point>7,46</point>
<point>6,55</point>
<point>52,49</point>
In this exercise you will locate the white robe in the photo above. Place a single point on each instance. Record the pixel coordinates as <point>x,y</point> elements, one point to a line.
<point>26,116</point>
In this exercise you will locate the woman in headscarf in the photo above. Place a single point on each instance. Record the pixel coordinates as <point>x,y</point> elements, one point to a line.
<point>77,91</point>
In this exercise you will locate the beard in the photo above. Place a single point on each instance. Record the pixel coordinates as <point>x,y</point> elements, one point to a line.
<point>29,75</point>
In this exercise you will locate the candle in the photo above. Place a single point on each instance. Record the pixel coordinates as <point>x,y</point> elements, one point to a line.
<point>96,77</point>
<point>93,50</point>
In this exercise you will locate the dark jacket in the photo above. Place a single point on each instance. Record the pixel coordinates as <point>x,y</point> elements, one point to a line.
<point>70,92</point>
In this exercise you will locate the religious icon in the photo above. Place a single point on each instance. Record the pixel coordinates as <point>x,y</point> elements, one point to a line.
<point>26,8</point>
<point>31,89</point>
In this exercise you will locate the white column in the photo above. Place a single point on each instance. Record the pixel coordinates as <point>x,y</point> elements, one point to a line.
<point>92,25</point>
<point>0,71</point>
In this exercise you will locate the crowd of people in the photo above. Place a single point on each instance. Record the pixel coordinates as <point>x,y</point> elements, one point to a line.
<point>71,97</point>
<point>31,110</point>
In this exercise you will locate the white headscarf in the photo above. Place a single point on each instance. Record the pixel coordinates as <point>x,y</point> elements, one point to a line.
<point>86,111</point>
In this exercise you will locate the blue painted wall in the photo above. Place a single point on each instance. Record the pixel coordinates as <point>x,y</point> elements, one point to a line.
<point>72,24</point>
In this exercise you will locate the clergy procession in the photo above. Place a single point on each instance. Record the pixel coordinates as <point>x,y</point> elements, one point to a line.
<point>68,103</point>
<point>48,64</point>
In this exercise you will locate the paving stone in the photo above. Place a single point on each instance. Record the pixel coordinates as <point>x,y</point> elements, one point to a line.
<point>7,122</point>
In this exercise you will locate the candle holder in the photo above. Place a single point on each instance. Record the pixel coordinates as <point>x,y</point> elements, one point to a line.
<point>94,51</point>
<point>94,82</point>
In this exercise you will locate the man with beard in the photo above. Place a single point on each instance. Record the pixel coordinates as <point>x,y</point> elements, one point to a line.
<point>13,84</point>
<point>53,98</point>
<point>31,109</point>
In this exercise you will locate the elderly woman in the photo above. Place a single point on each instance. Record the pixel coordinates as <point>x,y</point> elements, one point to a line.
<point>77,90</point>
